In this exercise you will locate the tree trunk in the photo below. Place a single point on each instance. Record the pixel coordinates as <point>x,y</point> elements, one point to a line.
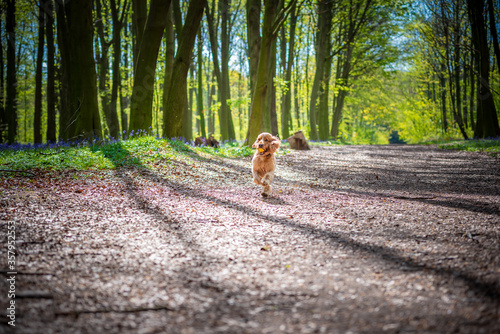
<point>11,98</point>
<point>114,128</point>
<point>139,18</point>
<point>141,115</point>
<point>187,116</point>
<point>253,8</point>
<point>324,27</point>
<point>3,116</point>
<point>287,100</point>
<point>493,31</point>
<point>37,133</point>
<point>487,120</point>
<point>110,113</point>
<point>172,119</point>
<point>261,81</point>
<point>343,82</point>
<point>51,97</point>
<point>324,96</point>
<point>442,83</point>
<point>199,100</point>
<point>222,70</point>
<point>271,102</point>
<point>224,6</point>
<point>169,57</point>
<point>79,69</point>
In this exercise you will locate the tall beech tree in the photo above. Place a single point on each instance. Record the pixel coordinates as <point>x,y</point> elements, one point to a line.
<point>177,95</point>
<point>323,31</point>
<point>75,29</point>
<point>271,26</point>
<point>3,116</point>
<point>141,116</point>
<point>11,81</point>
<point>287,63</point>
<point>487,120</point>
<point>51,50</point>
<point>118,22</point>
<point>37,127</point>
<point>221,68</point>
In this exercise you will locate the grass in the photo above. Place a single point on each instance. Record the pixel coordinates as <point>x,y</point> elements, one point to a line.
<point>490,146</point>
<point>138,151</point>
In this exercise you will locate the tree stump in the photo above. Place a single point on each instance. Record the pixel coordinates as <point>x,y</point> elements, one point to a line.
<point>298,141</point>
<point>210,141</point>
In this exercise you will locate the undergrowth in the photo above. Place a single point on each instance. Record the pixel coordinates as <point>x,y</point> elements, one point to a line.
<point>490,146</point>
<point>139,151</point>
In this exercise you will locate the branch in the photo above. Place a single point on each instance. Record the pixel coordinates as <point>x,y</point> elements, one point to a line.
<point>281,18</point>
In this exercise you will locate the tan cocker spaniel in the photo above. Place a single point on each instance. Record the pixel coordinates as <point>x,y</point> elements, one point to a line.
<point>264,161</point>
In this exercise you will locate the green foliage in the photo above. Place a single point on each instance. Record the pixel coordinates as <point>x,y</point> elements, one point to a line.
<point>491,147</point>
<point>144,151</point>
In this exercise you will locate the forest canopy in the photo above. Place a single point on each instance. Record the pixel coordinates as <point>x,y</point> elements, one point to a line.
<point>356,71</point>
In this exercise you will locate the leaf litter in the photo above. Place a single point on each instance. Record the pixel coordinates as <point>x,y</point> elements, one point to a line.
<point>357,239</point>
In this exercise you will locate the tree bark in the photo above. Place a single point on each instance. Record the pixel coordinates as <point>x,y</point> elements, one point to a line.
<point>3,116</point>
<point>287,99</point>
<point>141,116</point>
<point>493,31</point>
<point>253,8</point>
<point>110,113</point>
<point>37,128</point>
<point>261,80</point>
<point>172,119</point>
<point>169,57</point>
<point>139,18</point>
<point>11,81</point>
<point>324,27</point>
<point>201,113</point>
<point>487,120</point>
<point>116,76</point>
<point>79,69</point>
<point>51,96</point>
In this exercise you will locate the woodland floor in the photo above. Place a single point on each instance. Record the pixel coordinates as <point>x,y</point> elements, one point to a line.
<point>354,239</point>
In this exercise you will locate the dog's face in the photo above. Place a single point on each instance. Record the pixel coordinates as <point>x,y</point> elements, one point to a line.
<point>266,144</point>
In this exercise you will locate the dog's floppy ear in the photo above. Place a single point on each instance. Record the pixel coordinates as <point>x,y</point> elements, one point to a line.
<point>275,144</point>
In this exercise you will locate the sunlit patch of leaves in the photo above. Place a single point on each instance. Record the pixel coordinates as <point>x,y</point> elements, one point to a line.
<point>490,146</point>
<point>147,151</point>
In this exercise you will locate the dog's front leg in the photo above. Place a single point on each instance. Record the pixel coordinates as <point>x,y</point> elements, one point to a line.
<point>266,183</point>
<point>256,178</point>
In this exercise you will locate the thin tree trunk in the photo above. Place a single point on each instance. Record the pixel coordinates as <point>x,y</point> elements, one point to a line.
<point>37,133</point>
<point>141,114</point>
<point>287,100</point>
<point>11,98</point>
<point>169,57</point>
<point>322,52</point>
<point>493,31</point>
<point>117,53</point>
<point>51,97</point>
<point>3,116</point>
<point>172,120</point>
<point>201,113</point>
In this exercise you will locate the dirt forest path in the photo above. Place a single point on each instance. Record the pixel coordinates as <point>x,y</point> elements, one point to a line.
<point>354,239</point>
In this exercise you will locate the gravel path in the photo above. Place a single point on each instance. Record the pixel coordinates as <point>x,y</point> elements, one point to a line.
<point>354,239</point>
